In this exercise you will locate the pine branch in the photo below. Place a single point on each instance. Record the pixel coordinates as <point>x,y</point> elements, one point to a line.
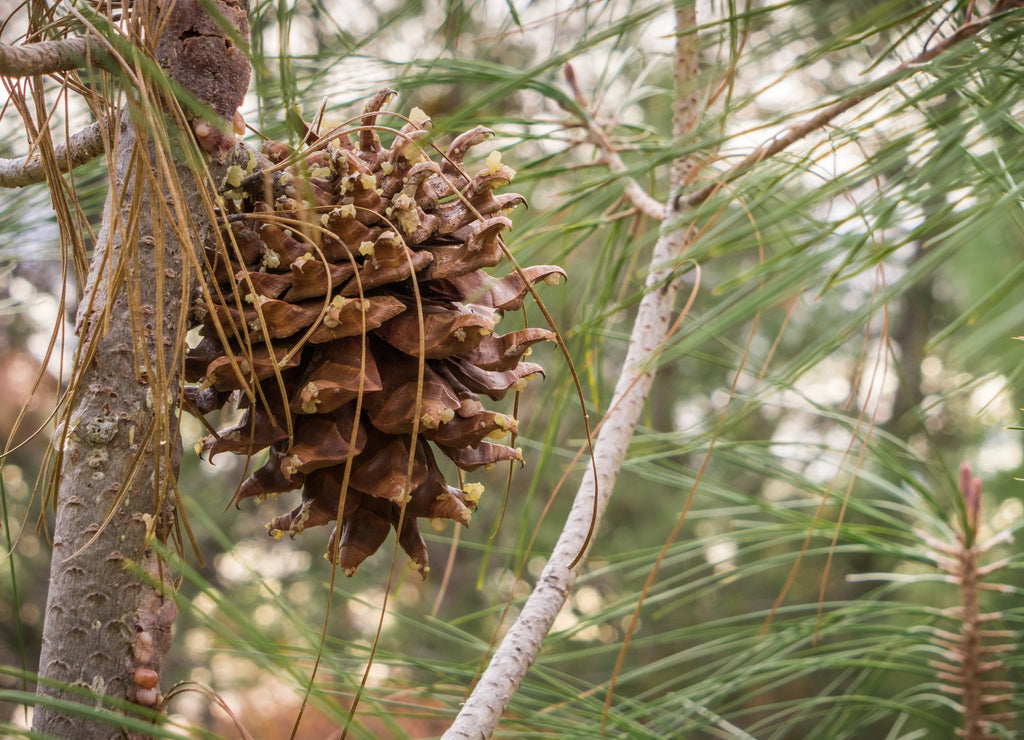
<point>796,132</point>
<point>482,711</point>
<point>47,57</point>
<point>597,136</point>
<point>969,657</point>
<point>80,148</point>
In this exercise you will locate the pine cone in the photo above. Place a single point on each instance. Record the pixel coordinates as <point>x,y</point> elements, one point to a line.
<point>355,287</point>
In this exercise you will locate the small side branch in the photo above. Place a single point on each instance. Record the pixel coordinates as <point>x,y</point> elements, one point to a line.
<point>597,136</point>
<point>633,190</point>
<point>80,148</point>
<point>46,57</point>
<point>826,116</point>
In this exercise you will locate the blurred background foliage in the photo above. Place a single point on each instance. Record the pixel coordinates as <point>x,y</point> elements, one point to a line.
<point>851,342</point>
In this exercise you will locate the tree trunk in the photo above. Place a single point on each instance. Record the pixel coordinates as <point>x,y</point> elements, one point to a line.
<point>110,609</point>
<point>102,620</point>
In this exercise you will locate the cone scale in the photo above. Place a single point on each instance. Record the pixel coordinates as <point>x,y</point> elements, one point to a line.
<point>353,322</point>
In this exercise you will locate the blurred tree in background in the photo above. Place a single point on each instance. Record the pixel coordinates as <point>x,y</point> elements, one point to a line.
<point>792,549</point>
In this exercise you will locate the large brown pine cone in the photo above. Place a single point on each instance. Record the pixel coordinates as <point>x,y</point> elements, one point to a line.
<point>354,324</point>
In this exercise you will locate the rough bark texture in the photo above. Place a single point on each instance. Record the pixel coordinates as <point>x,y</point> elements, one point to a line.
<point>97,607</point>
<point>197,53</point>
<point>109,611</point>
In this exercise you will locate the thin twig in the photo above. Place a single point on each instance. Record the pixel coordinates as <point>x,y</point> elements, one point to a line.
<point>80,148</point>
<point>632,189</point>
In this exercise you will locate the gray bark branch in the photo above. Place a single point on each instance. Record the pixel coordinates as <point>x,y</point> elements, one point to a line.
<point>47,57</point>
<point>483,709</point>
<point>480,714</point>
<point>81,147</point>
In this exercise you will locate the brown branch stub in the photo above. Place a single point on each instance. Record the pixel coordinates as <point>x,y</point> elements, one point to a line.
<point>199,54</point>
<point>47,57</point>
<point>80,148</point>
<point>196,52</point>
<point>152,625</point>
